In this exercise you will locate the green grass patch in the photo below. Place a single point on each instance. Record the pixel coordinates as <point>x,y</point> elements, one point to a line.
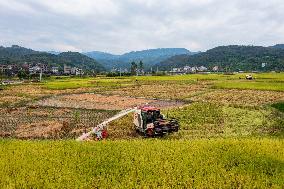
<point>68,84</point>
<point>212,76</point>
<point>279,106</point>
<point>74,83</point>
<point>218,163</point>
<point>250,85</point>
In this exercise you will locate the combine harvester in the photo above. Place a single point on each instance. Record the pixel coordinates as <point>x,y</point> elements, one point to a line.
<point>148,121</point>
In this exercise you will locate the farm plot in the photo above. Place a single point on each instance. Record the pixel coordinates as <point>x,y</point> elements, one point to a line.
<point>175,90</point>
<point>207,120</point>
<point>102,102</point>
<point>20,95</point>
<point>203,163</point>
<point>48,123</point>
<point>240,97</point>
<point>256,85</point>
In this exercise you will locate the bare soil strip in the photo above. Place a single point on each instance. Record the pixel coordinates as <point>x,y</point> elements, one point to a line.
<point>102,102</point>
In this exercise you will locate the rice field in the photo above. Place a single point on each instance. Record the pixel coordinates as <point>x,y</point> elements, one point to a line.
<point>231,133</point>
<point>251,85</point>
<point>219,163</point>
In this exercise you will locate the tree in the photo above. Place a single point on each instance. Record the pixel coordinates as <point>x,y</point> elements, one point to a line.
<point>141,67</point>
<point>133,68</point>
<point>23,75</point>
<point>1,75</point>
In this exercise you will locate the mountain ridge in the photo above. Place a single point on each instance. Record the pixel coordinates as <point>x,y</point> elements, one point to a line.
<point>149,57</point>
<point>278,46</point>
<point>233,57</point>
<point>21,55</point>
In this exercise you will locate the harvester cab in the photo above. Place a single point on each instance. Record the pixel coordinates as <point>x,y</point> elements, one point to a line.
<point>150,122</point>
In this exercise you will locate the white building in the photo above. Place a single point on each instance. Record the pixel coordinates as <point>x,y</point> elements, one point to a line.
<point>202,68</point>
<point>176,69</point>
<point>215,68</point>
<point>35,69</point>
<point>187,68</point>
<point>54,70</point>
<point>193,69</point>
<point>76,71</point>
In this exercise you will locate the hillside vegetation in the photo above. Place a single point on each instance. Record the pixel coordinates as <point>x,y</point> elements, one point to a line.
<point>278,46</point>
<point>20,55</point>
<point>231,58</point>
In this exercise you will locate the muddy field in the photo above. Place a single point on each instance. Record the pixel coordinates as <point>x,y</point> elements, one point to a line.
<point>102,102</point>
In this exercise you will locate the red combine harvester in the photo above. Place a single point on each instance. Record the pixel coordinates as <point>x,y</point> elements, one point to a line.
<point>150,122</point>
<point>147,120</point>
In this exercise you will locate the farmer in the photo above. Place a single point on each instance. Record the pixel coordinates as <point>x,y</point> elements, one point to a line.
<point>104,134</point>
<point>98,133</point>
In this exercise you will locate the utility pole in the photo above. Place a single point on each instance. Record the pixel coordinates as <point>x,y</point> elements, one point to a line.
<point>1,75</point>
<point>120,72</point>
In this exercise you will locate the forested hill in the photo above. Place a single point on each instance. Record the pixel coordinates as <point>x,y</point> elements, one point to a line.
<point>15,51</point>
<point>101,55</point>
<point>149,57</point>
<point>234,57</point>
<point>21,55</point>
<point>278,46</point>
<point>80,60</point>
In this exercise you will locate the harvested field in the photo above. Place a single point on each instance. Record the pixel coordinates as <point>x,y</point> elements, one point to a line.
<point>10,100</point>
<point>48,123</point>
<point>44,129</point>
<point>102,102</point>
<point>159,90</point>
<point>13,95</point>
<point>240,97</point>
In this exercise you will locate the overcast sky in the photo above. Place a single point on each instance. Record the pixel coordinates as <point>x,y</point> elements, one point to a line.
<point>119,26</point>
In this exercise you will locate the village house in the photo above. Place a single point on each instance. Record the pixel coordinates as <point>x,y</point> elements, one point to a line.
<point>202,69</point>
<point>34,69</point>
<point>66,69</point>
<point>54,70</point>
<point>3,68</point>
<point>43,67</point>
<point>177,71</point>
<point>187,69</point>
<point>215,68</point>
<point>193,69</point>
<point>76,71</point>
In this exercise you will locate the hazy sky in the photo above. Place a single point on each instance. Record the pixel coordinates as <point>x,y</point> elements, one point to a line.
<point>119,26</point>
